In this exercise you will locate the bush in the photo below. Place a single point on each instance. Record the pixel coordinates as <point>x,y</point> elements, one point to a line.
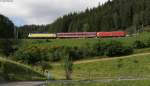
<point>138,44</point>
<point>77,53</point>
<point>113,48</point>
<point>100,48</point>
<point>148,43</point>
<point>6,47</point>
<point>34,54</point>
<point>55,54</point>
<point>30,55</point>
<point>127,50</point>
<point>45,66</point>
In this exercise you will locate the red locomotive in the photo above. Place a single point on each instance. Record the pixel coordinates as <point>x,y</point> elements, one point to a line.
<point>111,34</point>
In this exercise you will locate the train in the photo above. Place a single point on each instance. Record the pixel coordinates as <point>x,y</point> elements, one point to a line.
<point>78,35</point>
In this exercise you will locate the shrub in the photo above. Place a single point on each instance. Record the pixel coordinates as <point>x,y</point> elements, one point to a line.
<point>6,47</point>
<point>118,51</point>
<point>54,55</point>
<point>112,48</point>
<point>30,55</point>
<point>68,62</point>
<point>138,44</point>
<point>127,50</point>
<point>99,49</point>
<point>45,66</point>
<point>35,54</point>
<point>148,43</point>
<point>77,53</point>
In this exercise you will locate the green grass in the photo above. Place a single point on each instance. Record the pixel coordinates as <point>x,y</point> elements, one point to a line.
<point>131,67</point>
<point>13,71</point>
<point>112,83</point>
<point>59,42</point>
<point>144,50</point>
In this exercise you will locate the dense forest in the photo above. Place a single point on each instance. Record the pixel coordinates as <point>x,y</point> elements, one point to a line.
<point>23,31</point>
<point>126,15</point>
<point>113,15</point>
<point>6,28</point>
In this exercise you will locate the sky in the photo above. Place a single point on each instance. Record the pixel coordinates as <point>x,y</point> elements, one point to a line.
<point>23,12</point>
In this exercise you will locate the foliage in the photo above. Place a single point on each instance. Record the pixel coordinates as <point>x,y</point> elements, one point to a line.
<point>139,44</point>
<point>68,67</point>
<point>6,28</point>
<point>112,48</point>
<point>45,66</point>
<point>68,62</point>
<point>55,53</point>
<point>24,30</point>
<point>8,46</point>
<point>31,55</point>
<point>148,43</point>
<point>127,50</point>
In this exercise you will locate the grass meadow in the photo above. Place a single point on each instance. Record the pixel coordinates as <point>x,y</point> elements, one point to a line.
<point>130,67</point>
<point>112,83</point>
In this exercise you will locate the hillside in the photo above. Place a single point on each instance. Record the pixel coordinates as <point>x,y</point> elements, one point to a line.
<point>128,15</point>
<point>13,71</point>
<point>51,49</point>
<point>113,15</point>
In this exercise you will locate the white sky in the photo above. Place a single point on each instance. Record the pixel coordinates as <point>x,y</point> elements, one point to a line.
<point>43,11</point>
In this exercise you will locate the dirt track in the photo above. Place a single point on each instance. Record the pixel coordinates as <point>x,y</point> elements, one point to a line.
<point>103,59</point>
